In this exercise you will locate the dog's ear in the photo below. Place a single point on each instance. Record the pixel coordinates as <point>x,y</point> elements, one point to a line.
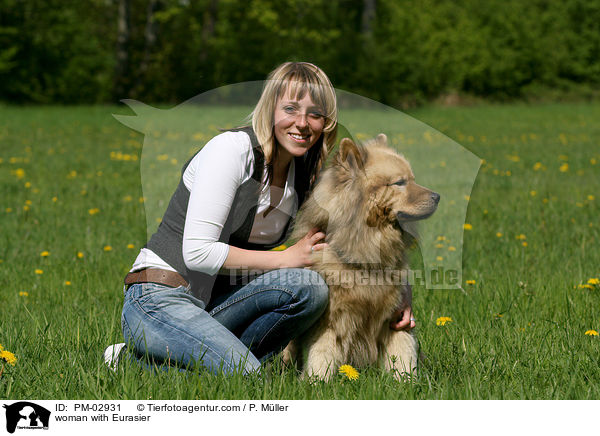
<point>382,139</point>
<point>352,154</point>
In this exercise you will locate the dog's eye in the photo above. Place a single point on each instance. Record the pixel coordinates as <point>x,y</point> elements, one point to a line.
<point>400,182</point>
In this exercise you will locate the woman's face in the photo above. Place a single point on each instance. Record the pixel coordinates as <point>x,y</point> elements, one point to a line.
<point>298,124</point>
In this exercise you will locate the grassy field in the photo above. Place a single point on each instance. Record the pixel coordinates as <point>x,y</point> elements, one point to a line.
<point>73,217</point>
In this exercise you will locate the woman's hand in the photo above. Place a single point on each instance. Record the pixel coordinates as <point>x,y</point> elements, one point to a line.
<point>299,254</point>
<point>402,318</point>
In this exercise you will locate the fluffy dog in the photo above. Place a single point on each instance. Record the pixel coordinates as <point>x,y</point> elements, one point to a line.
<point>362,202</point>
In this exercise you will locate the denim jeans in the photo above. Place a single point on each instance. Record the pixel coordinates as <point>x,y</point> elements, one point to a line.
<point>241,327</point>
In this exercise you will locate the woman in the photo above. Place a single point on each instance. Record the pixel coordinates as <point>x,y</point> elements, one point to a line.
<point>187,299</point>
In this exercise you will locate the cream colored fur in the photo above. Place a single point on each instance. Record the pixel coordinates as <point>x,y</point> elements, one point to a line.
<point>356,202</point>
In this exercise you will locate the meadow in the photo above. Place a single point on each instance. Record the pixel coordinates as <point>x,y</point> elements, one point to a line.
<point>73,215</point>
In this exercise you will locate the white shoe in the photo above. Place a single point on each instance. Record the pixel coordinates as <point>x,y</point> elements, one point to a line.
<point>112,354</point>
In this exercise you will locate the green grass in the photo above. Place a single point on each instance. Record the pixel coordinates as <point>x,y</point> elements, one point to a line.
<point>517,333</point>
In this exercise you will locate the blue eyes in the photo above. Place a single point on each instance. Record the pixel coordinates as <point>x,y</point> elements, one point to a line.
<point>292,110</point>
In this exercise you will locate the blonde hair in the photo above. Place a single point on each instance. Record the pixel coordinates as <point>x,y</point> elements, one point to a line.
<point>296,78</point>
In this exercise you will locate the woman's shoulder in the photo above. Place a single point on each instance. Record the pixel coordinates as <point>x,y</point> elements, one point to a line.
<point>228,152</point>
<point>230,141</point>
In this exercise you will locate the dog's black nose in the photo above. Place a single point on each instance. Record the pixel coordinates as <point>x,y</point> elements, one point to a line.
<point>435,197</point>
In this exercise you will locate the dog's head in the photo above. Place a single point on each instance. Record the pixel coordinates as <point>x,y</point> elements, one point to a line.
<point>387,179</point>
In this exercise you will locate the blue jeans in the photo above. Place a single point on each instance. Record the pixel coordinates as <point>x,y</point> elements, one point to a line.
<point>241,327</point>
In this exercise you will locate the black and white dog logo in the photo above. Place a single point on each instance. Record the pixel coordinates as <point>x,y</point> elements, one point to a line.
<point>26,415</point>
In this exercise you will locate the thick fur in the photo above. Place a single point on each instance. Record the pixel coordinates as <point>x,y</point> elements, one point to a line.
<point>362,210</point>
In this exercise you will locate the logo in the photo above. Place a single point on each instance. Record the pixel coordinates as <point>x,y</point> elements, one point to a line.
<point>26,415</point>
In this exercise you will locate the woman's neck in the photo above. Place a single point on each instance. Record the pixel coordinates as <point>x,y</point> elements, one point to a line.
<point>281,164</point>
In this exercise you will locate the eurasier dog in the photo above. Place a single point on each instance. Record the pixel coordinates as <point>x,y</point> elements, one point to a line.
<point>362,202</point>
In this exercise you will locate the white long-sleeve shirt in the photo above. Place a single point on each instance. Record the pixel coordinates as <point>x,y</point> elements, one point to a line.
<point>213,177</point>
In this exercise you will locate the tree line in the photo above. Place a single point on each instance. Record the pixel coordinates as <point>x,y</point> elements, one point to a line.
<point>99,51</point>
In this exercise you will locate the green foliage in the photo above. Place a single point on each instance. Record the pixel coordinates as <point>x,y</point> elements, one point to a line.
<point>66,51</point>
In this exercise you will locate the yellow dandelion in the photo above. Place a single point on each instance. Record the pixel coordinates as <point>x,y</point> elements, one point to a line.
<point>19,172</point>
<point>585,286</point>
<point>27,185</point>
<point>8,357</point>
<point>563,138</point>
<point>564,168</point>
<point>8,209</point>
<point>127,198</point>
<point>591,197</point>
<point>93,211</point>
<point>470,282</point>
<point>83,192</point>
<point>593,161</point>
<point>72,174</point>
<point>443,320</point>
<point>349,372</point>
<point>439,258</point>
<point>39,271</point>
<point>468,226</point>
<point>107,248</point>
<point>130,246</point>
<point>142,199</point>
<point>45,253</point>
<point>23,294</point>
<point>533,193</point>
<point>54,199</point>
<point>67,283</point>
<point>441,238</point>
<point>524,244</point>
<point>439,245</point>
<point>26,208</point>
<point>498,234</point>
<point>521,237</point>
<point>591,333</point>
<point>537,166</point>
<point>451,248</point>
<point>594,281</point>
<point>79,255</point>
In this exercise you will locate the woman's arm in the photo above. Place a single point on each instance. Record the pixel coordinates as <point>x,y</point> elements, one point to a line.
<point>296,256</point>
<point>213,177</point>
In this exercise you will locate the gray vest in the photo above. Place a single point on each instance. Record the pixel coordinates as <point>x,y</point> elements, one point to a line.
<point>168,240</point>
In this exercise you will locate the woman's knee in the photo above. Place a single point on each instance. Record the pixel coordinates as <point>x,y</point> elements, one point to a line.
<point>312,289</point>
